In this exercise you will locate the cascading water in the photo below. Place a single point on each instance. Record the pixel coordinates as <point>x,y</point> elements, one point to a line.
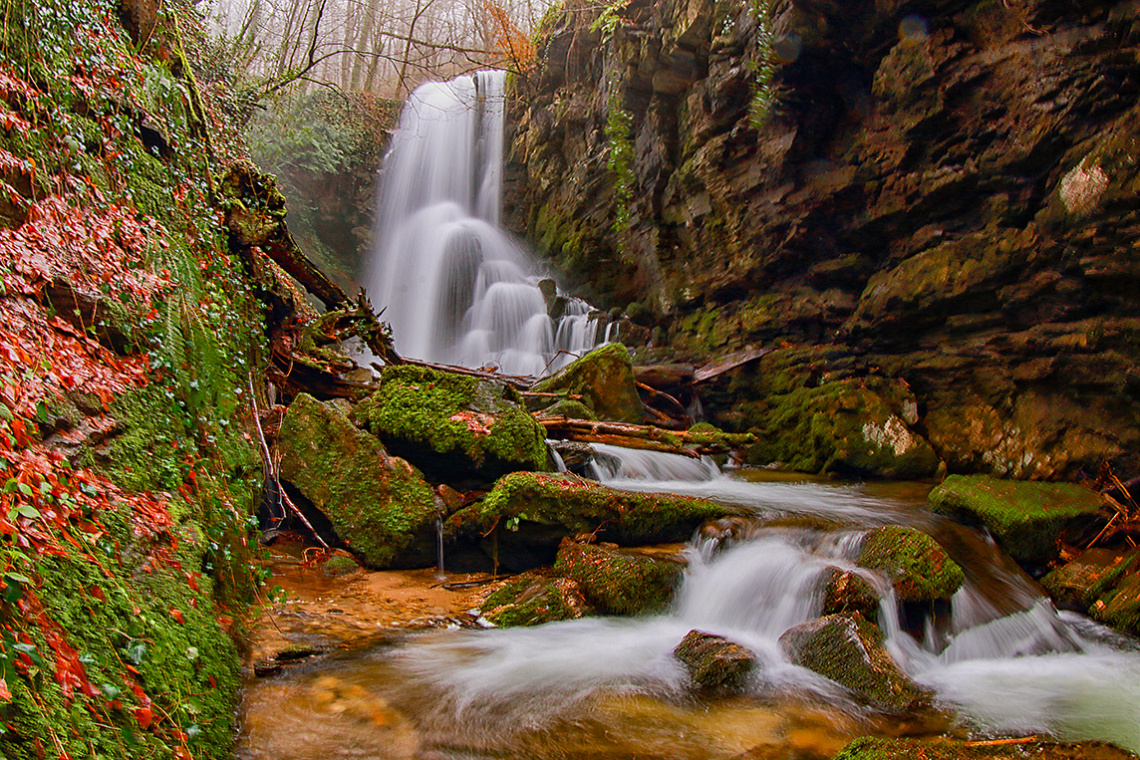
<point>453,285</point>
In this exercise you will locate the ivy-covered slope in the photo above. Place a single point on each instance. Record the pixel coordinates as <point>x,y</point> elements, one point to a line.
<point>130,339</point>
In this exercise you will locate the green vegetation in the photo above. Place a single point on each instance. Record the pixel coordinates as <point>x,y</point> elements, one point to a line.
<point>380,506</point>
<point>918,567</point>
<point>620,582</point>
<point>1025,517</point>
<point>422,413</point>
<point>604,379</point>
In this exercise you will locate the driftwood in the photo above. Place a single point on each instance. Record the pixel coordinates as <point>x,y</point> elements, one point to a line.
<point>646,437</point>
<point>727,363</point>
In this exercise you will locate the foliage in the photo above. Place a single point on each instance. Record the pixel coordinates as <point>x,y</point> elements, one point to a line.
<point>609,18</point>
<point>127,332</point>
<point>764,70</point>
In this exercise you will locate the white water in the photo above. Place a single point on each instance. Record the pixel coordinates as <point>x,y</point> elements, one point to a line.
<point>1031,671</point>
<point>454,286</point>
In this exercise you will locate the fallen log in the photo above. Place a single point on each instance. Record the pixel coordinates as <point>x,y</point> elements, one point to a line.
<point>726,363</point>
<point>647,437</point>
<point>664,375</point>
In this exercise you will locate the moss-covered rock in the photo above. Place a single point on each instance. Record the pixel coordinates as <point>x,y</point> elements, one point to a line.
<point>848,592</point>
<point>880,748</point>
<point>714,663</point>
<point>1101,583</point>
<point>534,598</point>
<point>919,568</point>
<point>454,426</point>
<point>849,650</point>
<point>569,408</point>
<point>604,379</point>
<point>1026,518</point>
<point>539,510</point>
<point>620,581</point>
<point>379,505</point>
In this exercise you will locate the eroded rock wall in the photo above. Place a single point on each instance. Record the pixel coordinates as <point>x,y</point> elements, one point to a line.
<point>946,190</point>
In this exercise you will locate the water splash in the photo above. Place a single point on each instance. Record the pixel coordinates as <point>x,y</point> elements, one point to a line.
<point>455,287</point>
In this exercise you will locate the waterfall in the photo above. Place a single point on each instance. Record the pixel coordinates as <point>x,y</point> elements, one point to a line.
<point>455,287</point>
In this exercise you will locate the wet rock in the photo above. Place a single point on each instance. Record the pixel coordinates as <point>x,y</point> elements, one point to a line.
<point>919,568</point>
<point>849,650</point>
<point>1101,583</point>
<point>714,663</point>
<point>879,748</point>
<point>604,379</point>
<point>1026,518</point>
<point>534,512</point>
<point>848,592</point>
<point>455,427</point>
<point>534,598</point>
<point>575,455</point>
<point>379,505</point>
<point>620,581</point>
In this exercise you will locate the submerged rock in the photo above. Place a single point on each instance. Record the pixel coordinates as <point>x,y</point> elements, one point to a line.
<point>379,505</point>
<point>535,511</point>
<point>604,379</point>
<point>454,426</point>
<point>617,581</point>
<point>919,568</point>
<point>1026,518</point>
<point>534,598</point>
<point>715,663</point>
<point>849,650</point>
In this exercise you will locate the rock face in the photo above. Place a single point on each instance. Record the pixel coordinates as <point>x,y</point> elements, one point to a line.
<point>1026,518</point>
<point>919,568</point>
<point>715,663</point>
<point>454,426</point>
<point>379,505</point>
<point>954,199</point>
<point>849,651</point>
<point>620,582</point>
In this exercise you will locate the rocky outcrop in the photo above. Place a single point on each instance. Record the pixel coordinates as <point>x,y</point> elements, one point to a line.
<point>1027,519</point>
<point>953,199</point>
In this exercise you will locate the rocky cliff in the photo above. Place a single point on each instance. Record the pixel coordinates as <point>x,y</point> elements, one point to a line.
<point>940,201</point>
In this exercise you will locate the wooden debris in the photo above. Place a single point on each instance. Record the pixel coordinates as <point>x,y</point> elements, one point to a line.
<point>727,363</point>
<point>645,437</point>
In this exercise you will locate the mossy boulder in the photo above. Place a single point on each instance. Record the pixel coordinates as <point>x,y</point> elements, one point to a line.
<point>604,379</point>
<point>714,663</point>
<point>534,598</point>
<point>620,581</point>
<point>569,408</point>
<point>919,568</point>
<point>538,510</point>
<point>379,505</point>
<point>1026,518</point>
<point>454,426</point>
<point>1101,583</point>
<point>880,748</point>
<point>849,650</point>
<point>845,591</point>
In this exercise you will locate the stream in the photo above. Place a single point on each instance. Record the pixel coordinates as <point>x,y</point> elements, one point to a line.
<point>1002,662</point>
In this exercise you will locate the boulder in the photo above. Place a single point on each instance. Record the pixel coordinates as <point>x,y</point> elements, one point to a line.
<point>919,568</point>
<point>604,379</point>
<point>1026,518</point>
<point>620,581</point>
<point>1101,583</point>
<point>568,408</point>
<point>378,505</point>
<point>534,598</point>
<point>454,426</point>
<point>849,650</point>
<point>714,663</point>
<point>535,511</point>
<point>848,592</point>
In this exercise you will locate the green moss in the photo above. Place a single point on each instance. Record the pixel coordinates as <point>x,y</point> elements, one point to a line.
<point>379,505</point>
<point>620,582</point>
<point>575,410</point>
<point>1026,518</point>
<point>604,379</point>
<point>422,413</point>
<point>919,568</point>
<point>551,507</point>
<point>534,598</point>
